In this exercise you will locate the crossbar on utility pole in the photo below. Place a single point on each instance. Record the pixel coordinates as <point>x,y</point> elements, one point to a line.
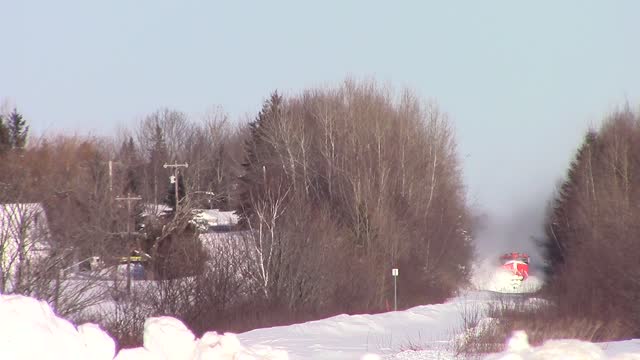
<point>128,199</point>
<point>176,171</point>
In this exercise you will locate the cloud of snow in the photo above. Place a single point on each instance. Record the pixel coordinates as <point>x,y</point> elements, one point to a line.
<point>497,233</point>
<point>488,275</point>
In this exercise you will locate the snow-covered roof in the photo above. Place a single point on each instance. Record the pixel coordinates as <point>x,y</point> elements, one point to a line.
<point>207,219</point>
<point>203,218</point>
<point>155,209</point>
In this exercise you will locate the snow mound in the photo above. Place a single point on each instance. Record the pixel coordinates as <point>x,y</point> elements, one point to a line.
<point>98,343</point>
<point>29,330</point>
<point>168,336</point>
<point>518,348</point>
<point>27,322</point>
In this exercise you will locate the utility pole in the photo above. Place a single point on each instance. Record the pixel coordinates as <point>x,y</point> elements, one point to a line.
<point>111,164</point>
<point>176,171</point>
<point>110,176</point>
<point>128,199</point>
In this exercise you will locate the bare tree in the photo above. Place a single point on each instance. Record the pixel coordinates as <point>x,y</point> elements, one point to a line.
<point>340,150</point>
<point>23,243</point>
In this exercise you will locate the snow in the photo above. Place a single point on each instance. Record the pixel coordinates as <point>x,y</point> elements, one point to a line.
<point>30,330</point>
<point>228,243</point>
<point>488,276</point>
<point>169,336</point>
<point>155,209</point>
<point>97,342</point>
<point>204,219</point>
<point>215,217</point>
<point>27,322</point>
<point>428,332</point>
<point>347,337</point>
<point>518,348</point>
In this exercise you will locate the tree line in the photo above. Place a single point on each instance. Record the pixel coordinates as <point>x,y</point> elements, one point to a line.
<point>340,186</point>
<point>591,244</point>
<point>334,188</point>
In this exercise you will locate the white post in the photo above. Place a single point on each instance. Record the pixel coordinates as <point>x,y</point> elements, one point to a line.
<point>394,273</point>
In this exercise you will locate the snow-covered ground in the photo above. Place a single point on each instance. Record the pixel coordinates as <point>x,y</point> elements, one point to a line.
<point>30,330</point>
<point>429,327</point>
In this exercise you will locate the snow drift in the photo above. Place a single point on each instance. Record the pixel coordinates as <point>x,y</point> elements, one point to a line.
<point>29,330</point>
<point>518,348</point>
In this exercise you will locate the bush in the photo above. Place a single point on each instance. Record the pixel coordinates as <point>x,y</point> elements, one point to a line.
<point>541,320</point>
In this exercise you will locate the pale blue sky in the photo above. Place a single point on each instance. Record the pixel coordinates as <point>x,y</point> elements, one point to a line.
<point>521,80</point>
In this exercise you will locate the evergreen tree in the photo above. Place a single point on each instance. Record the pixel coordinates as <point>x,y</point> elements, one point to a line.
<point>5,140</point>
<point>127,151</point>
<point>159,150</point>
<point>128,155</point>
<point>18,130</point>
<point>258,151</point>
<point>171,193</point>
<point>559,231</point>
<point>157,157</point>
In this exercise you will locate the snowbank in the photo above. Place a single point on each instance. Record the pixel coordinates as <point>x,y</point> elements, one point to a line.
<point>351,337</point>
<point>518,348</point>
<point>29,330</point>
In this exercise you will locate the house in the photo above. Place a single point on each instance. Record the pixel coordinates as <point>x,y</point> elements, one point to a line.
<point>24,240</point>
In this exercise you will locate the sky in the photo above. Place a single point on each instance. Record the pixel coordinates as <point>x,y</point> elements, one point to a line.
<point>520,81</point>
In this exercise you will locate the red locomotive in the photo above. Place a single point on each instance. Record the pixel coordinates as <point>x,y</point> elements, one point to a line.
<point>517,263</point>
